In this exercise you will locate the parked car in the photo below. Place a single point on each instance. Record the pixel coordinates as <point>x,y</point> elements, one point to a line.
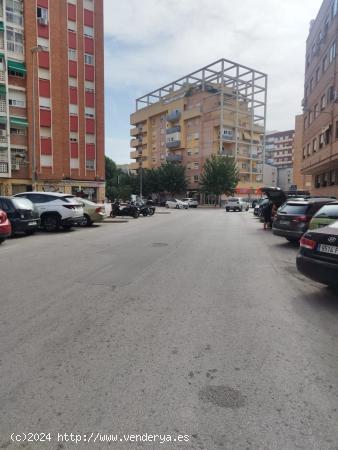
<point>325,216</point>
<point>92,212</point>
<point>21,213</point>
<point>293,218</point>
<point>258,210</point>
<point>236,204</point>
<point>5,227</point>
<point>193,203</point>
<point>175,203</point>
<point>55,209</point>
<point>318,255</point>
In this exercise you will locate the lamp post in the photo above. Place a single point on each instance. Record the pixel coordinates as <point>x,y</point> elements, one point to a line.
<point>34,51</point>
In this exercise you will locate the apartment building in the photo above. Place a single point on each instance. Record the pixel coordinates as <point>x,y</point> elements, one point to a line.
<point>219,109</point>
<point>279,148</point>
<point>320,108</point>
<point>52,96</point>
<point>301,182</point>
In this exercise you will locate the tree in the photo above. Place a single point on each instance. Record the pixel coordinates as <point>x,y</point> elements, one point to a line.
<point>171,178</point>
<point>220,175</point>
<point>111,168</point>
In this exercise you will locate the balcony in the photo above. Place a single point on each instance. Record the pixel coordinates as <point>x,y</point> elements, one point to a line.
<point>176,129</point>
<point>174,158</point>
<point>134,143</point>
<point>134,132</point>
<point>135,155</point>
<point>173,116</point>
<point>173,144</point>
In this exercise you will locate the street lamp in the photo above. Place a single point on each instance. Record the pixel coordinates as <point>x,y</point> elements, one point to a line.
<point>34,51</point>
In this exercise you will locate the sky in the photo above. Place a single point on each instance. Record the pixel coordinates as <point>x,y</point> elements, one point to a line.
<point>150,43</point>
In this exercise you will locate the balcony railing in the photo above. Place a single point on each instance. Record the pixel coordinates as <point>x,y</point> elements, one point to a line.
<point>173,144</point>
<point>174,158</point>
<point>176,129</point>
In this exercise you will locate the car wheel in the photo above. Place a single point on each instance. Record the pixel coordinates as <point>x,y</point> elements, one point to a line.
<point>87,222</point>
<point>2,240</point>
<point>51,222</point>
<point>167,206</point>
<point>177,206</point>
<point>136,214</point>
<point>227,209</point>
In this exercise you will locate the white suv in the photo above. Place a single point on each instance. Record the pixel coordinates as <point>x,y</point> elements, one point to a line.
<point>55,209</point>
<point>191,202</point>
<point>236,204</point>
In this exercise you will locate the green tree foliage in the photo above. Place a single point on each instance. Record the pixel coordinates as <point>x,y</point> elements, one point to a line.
<point>171,178</point>
<point>220,175</point>
<point>167,178</point>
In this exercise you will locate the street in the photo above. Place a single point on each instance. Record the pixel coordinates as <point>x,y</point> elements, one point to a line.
<point>189,323</point>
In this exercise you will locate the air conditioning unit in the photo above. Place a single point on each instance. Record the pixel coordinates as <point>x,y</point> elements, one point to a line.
<point>43,21</point>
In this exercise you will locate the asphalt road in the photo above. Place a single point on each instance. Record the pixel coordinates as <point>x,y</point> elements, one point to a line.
<point>193,323</point>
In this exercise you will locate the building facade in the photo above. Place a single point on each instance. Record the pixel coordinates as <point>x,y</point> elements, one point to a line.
<point>52,96</point>
<point>279,148</point>
<point>270,175</point>
<point>219,109</point>
<point>320,103</point>
<point>301,182</point>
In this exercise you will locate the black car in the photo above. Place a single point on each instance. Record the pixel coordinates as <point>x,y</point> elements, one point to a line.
<point>318,255</point>
<point>293,218</point>
<point>21,213</point>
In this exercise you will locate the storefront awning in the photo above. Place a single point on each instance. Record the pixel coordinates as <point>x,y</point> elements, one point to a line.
<point>17,66</point>
<point>18,121</point>
<point>3,119</point>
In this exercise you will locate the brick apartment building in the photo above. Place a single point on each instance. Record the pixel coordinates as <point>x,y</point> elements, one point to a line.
<point>320,121</point>
<point>279,148</point>
<point>219,109</point>
<point>51,80</point>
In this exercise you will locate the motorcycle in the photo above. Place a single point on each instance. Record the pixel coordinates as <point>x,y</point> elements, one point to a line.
<point>146,209</point>
<point>124,210</point>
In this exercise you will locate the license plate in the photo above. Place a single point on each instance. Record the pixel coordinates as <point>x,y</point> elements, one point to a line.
<point>332,249</point>
<point>31,224</point>
<point>284,222</point>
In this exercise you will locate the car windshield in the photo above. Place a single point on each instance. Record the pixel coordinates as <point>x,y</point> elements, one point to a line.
<point>294,209</point>
<point>328,211</point>
<point>233,199</point>
<point>22,203</point>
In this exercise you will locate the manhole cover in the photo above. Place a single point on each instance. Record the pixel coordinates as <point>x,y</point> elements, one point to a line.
<point>223,396</point>
<point>159,244</point>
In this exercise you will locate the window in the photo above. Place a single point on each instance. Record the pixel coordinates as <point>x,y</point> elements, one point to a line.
<point>195,178</point>
<point>334,7</point>
<point>18,131</point>
<point>90,164</point>
<point>321,140</point>
<point>310,117</point>
<point>72,54</point>
<point>89,59</point>
<point>305,121</point>
<point>196,165</point>
<point>314,145</point>
<point>311,85</point>
<point>330,94</point>
<point>325,63</point>
<point>317,74</point>
<point>17,98</point>
<point>42,13</point>
<point>304,152</point>
<point>316,111</point>
<point>308,152</point>
<point>88,31</point>
<point>332,52</point>
<point>73,137</point>
<point>322,102</point>
<point>14,12</point>
<point>14,40</point>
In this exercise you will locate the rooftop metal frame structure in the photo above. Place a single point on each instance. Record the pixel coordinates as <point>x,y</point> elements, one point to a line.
<point>246,85</point>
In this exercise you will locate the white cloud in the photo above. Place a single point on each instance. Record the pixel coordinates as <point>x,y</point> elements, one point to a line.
<point>153,42</point>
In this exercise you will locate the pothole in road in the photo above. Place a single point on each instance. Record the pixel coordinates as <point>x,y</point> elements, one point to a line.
<point>222,396</point>
<point>159,244</point>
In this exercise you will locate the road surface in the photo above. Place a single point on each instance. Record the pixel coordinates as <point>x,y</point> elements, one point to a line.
<point>194,323</point>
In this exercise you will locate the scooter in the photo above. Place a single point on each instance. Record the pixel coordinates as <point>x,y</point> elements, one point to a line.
<point>124,210</point>
<point>146,209</point>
